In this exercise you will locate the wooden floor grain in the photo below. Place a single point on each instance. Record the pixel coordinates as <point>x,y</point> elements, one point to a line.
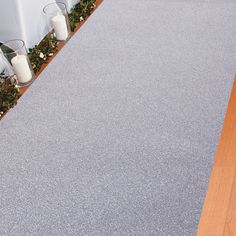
<point>218,216</point>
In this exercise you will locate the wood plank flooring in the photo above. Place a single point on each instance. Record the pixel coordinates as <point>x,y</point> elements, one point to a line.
<point>218,216</point>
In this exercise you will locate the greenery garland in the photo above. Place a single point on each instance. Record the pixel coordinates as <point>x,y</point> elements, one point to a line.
<point>9,94</point>
<point>41,52</point>
<point>80,11</point>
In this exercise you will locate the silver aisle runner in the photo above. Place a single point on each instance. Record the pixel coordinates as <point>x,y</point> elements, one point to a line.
<point>118,135</point>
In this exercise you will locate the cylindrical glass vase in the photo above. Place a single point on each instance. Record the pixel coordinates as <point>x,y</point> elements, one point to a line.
<point>6,70</point>
<point>57,20</point>
<point>15,53</point>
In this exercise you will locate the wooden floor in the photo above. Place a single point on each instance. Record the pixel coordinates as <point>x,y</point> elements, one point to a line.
<point>219,212</point>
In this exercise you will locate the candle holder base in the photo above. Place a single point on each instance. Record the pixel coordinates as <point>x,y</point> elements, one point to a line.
<point>21,85</point>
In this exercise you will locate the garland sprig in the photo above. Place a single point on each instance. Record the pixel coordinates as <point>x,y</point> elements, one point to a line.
<point>80,12</point>
<point>9,94</point>
<point>42,52</point>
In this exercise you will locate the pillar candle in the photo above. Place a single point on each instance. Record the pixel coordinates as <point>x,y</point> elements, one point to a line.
<point>60,27</point>
<point>21,68</point>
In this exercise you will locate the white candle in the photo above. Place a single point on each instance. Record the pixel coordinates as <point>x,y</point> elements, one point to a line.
<point>21,68</point>
<point>60,27</point>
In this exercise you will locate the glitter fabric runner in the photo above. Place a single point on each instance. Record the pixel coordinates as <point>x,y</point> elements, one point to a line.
<point>118,135</point>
